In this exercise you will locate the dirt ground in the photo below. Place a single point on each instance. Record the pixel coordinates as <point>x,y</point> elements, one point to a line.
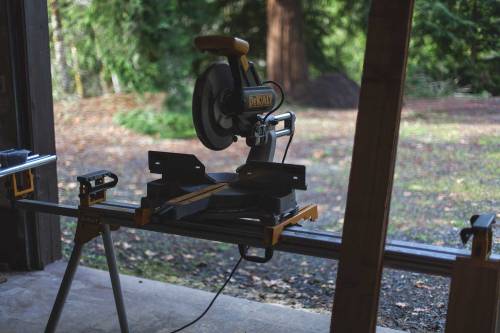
<point>447,170</point>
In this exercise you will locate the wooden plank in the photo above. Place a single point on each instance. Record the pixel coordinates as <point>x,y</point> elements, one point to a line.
<point>14,244</point>
<point>30,96</point>
<point>11,249</point>
<point>197,195</point>
<point>41,126</point>
<point>307,213</point>
<point>474,297</point>
<point>372,170</point>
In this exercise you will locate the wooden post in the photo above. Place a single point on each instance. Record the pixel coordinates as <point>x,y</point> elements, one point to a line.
<point>474,301</point>
<point>474,297</point>
<point>34,240</point>
<point>370,185</point>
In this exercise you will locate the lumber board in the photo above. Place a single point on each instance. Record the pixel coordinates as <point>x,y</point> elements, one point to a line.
<point>474,297</point>
<point>29,94</point>
<point>36,86</point>
<point>372,170</point>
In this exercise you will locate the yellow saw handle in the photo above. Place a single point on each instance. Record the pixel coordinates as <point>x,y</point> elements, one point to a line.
<point>222,45</point>
<point>225,46</point>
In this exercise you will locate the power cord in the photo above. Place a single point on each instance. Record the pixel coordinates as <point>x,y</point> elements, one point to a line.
<point>286,149</point>
<point>275,109</point>
<point>280,103</point>
<point>213,299</point>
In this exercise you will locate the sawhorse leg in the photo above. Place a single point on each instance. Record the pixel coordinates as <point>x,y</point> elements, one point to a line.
<point>115,277</point>
<point>70,273</point>
<point>55,314</point>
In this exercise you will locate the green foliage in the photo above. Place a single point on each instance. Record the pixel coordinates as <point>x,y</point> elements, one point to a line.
<point>333,31</point>
<point>335,35</point>
<point>146,45</point>
<point>457,41</point>
<point>163,124</point>
<point>422,85</point>
<point>245,19</point>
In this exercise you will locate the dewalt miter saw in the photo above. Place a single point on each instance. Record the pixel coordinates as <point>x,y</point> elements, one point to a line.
<point>230,101</point>
<point>249,207</point>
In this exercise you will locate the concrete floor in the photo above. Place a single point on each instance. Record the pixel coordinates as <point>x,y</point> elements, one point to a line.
<point>26,300</point>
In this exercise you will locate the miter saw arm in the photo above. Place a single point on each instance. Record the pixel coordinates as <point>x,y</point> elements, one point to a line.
<point>263,139</point>
<point>229,98</point>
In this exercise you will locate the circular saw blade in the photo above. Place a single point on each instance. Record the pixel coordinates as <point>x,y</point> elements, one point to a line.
<point>213,127</point>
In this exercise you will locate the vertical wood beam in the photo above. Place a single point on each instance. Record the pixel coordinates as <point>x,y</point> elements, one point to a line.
<point>34,240</point>
<point>12,249</point>
<point>41,126</point>
<point>474,301</point>
<point>374,154</point>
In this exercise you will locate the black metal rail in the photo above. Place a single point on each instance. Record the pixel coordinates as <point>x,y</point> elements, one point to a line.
<point>32,161</point>
<point>402,255</point>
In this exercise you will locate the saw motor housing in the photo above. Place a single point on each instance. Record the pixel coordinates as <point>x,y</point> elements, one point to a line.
<point>229,96</point>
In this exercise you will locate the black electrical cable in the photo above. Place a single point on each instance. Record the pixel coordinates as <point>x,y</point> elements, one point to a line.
<point>276,108</point>
<point>213,299</point>
<point>286,149</point>
<point>280,103</point>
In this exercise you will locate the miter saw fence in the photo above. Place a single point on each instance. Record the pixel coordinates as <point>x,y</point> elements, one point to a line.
<point>229,100</point>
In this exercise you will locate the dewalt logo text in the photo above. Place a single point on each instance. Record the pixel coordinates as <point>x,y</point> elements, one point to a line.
<point>260,101</point>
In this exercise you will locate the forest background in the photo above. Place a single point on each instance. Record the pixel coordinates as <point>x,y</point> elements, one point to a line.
<point>116,46</point>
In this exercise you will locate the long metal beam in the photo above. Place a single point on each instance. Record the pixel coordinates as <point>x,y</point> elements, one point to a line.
<point>33,161</point>
<point>409,256</point>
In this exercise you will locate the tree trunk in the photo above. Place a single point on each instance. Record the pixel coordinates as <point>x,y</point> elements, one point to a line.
<point>59,48</point>
<point>286,53</point>
<point>78,77</point>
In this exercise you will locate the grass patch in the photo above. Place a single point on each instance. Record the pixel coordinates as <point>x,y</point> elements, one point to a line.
<point>469,188</point>
<point>429,133</point>
<point>163,124</point>
<point>489,140</point>
<point>494,157</point>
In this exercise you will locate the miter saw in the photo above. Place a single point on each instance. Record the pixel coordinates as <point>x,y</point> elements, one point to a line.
<point>230,101</point>
<point>251,206</point>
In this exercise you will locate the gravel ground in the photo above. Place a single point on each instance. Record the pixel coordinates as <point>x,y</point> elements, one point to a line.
<point>439,141</point>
